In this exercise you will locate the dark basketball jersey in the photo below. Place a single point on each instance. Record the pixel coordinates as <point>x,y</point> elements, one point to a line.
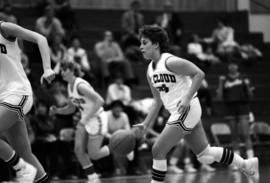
<point>235,89</point>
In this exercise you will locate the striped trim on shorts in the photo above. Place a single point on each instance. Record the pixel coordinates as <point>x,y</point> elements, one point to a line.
<point>180,121</point>
<point>16,108</point>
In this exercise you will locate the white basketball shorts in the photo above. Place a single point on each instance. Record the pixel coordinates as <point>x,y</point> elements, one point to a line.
<point>97,125</point>
<point>188,120</point>
<point>20,104</point>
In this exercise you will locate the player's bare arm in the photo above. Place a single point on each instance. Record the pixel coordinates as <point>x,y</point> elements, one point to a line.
<point>67,109</point>
<point>14,30</point>
<point>152,115</point>
<point>184,67</point>
<point>91,94</point>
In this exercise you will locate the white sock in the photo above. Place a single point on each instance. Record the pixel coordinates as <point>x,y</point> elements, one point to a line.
<point>159,171</point>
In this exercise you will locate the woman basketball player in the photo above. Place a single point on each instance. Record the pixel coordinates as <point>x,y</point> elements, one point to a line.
<point>93,124</point>
<point>16,100</point>
<point>174,83</point>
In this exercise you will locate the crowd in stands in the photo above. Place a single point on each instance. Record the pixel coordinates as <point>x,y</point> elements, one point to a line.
<point>52,135</point>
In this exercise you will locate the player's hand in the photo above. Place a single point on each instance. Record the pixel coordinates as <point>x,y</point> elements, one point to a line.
<point>222,78</point>
<point>52,110</point>
<point>183,105</point>
<point>139,130</point>
<point>47,77</point>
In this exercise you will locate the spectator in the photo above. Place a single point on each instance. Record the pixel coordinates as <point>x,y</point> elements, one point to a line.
<point>132,20</point>
<point>111,55</point>
<point>205,98</point>
<point>79,55</point>
<point>58,52</point>
<point>171,23</point>
<point>223,38</point>
<point>118,91</point>
<point>48,24</point>
<point>235,91</point>
<point>117,120</point>
<point>65,13</point>
<point>249,53</point>
<point>45,144</point>
<point>9,16</point>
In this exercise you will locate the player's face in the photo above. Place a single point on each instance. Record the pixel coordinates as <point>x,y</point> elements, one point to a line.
<point>67,74</point>
<point>147,48</point>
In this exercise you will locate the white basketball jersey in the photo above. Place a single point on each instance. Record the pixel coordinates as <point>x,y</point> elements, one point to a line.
<point>13,78</point>
<point>171,86</point>
<point>80,101</point>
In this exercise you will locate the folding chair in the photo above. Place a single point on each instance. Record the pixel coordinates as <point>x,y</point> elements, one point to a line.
<point>260,132</point>
<point>222,134</point>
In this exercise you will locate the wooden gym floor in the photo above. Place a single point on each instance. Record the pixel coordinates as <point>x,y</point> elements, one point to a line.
<point>220,176</point>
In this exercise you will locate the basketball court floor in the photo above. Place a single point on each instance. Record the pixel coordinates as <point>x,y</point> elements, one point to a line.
<point>220,176</point>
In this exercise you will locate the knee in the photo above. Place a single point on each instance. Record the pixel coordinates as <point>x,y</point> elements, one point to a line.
<point>206,157</point>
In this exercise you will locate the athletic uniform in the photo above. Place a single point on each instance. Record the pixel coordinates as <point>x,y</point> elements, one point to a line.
<point>96,125</point>
<point>235,96</point>
<point>15,88</point>
<point>172,88</point>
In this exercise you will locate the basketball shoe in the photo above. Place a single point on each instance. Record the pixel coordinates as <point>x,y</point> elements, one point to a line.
<point>93,178</point>
<point>26,173</point>
<point>175,169</point>
<point>251,169</point>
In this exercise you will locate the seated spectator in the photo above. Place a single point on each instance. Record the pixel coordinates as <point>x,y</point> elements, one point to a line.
<point>117,120</point>
<point>171,23</point>
<point>118,91</point>
<point>131,21</point>
<point>78,54</point>
<point>65,13</point>
<point>223,38</point>
<point>249,53</point>
<point>45,144</point>
<point>110,54</point>
<point>58,52</point>
<point>8,15</point>
<point>48,24</point>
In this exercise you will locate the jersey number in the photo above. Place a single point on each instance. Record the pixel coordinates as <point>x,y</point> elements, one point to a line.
<point>163,88</point>
<point>3,48</point>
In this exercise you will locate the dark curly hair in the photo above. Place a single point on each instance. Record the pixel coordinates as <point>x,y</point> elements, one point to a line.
<point>156,34</point>
<point>73,67</point>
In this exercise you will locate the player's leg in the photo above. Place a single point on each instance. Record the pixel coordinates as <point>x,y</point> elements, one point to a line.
<point>80,149</point>
<point>95,148</point>
<point>17,135</point>
<point>244,128</point>
<point>168,138</point>
<point>18,138</point>
<point>173,160</point>
<point>206,154</point>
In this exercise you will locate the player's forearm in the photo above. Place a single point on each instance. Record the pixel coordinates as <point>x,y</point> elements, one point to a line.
<point>66,110</point>
<point>196,84</point>
<point>45,52</point>
<point>93,110</point>
<point>152,115</point>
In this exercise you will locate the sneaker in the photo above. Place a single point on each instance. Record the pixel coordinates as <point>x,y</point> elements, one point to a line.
<point>251,169</point>
<point>175,169</point>
<point>26,174</point>
<point>190,169</point>
<point>94,178</point>
<point>207,168</point>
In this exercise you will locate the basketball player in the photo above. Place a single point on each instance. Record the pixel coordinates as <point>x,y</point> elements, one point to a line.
<point>93,123</point>
<point>16,100</point>
<point>174,83</point>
